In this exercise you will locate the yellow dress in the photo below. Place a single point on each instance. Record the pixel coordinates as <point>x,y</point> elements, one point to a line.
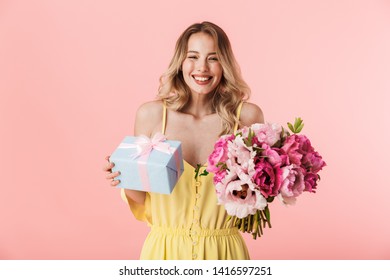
<point>188,223</point>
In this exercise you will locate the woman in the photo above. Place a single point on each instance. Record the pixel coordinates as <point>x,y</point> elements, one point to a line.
<point>200,98</point>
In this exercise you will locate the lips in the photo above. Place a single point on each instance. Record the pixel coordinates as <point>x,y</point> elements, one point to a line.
<point>202,79</point>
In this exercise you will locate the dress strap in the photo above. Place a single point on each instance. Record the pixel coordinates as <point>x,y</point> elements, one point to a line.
<point>238,113</point>
<point>164,119</point>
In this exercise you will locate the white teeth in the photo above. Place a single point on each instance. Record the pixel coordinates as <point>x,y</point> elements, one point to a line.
<point>202,79</point>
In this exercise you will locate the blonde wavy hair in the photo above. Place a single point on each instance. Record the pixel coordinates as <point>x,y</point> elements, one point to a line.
<point>231,90</point>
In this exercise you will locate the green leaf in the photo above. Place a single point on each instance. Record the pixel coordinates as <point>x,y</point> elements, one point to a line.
<point>249,140</point>
<point>270,199</point>
<point>290,126</point>
<point>221,165</point>
<point>299,128</point>
<point>298,125</point>
<point>278,143</point>
<point>197,170</point>
<point>258,149</point>
<point>297,122</point>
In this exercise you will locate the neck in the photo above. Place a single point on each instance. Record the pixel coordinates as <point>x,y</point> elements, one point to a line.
<point>199,105</point>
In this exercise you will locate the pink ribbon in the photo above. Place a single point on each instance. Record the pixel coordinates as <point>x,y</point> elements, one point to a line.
<point>145,145</point>
<point>143,172</point>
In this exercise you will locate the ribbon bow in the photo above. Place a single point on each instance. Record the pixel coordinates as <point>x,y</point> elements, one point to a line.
<point>145,145</point>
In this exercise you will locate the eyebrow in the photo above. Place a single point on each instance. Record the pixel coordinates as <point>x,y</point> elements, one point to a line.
<point>198,52</point>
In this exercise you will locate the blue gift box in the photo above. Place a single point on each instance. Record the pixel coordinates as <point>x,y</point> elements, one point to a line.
<point>156,171</point>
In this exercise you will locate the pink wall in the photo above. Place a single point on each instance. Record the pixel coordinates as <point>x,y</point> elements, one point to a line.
<point>72,74</point>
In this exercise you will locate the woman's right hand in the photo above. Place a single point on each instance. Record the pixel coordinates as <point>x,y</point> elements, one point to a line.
<point>137,196</point>
<point>110,176</point>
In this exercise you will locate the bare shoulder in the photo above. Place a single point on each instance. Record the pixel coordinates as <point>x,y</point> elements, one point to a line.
<point>148,117</point>
<point>150,109</point>
<point>250,114</point>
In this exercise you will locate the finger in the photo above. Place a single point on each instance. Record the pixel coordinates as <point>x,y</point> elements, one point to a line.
<point>111,176</point>
<point>108,166</point>
<point>115,182</point>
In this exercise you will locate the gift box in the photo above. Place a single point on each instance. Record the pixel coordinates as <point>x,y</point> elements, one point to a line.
<point>150,165</point>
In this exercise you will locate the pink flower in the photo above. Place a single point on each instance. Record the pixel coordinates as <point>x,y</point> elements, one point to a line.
<point>240,154</point>
<point>301,152</point>
<point>291,147</point>
<point>219,175</point>
<point>244,131</point>
<point>304,144</point>
<point>311,182</point>
<point>267,177</point>
<point>219,154</point>
<point>273,155</point>
<point>313,162</point>
<point>267,133</point>
<point>283,156</point>
<point>220,187</point>
<point>292,183</point>
<point>239,206</point>
<point>244,176</point>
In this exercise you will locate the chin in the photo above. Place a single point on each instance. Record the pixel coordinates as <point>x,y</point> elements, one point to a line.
<point>202,92</point>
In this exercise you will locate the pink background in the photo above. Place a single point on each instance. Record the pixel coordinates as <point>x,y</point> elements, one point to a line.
<point>72,74</point>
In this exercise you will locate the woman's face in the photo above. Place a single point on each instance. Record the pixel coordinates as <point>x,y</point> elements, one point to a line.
<point>202,71</point>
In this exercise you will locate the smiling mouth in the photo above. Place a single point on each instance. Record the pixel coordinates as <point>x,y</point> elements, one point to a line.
<point>202,79</point>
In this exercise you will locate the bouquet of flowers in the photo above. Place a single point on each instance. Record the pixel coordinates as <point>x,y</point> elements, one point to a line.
<point>259,163</point>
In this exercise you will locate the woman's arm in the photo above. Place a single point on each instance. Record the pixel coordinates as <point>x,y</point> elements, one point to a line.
<point>148,117</point>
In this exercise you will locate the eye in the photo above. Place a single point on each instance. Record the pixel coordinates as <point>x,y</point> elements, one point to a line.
<point>192,57</point>
<point>213,58</point>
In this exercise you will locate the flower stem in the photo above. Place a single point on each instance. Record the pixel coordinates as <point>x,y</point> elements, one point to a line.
<point>253,224</point>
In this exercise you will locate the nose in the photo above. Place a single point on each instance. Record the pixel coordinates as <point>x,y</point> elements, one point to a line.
<point>202,65</point>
